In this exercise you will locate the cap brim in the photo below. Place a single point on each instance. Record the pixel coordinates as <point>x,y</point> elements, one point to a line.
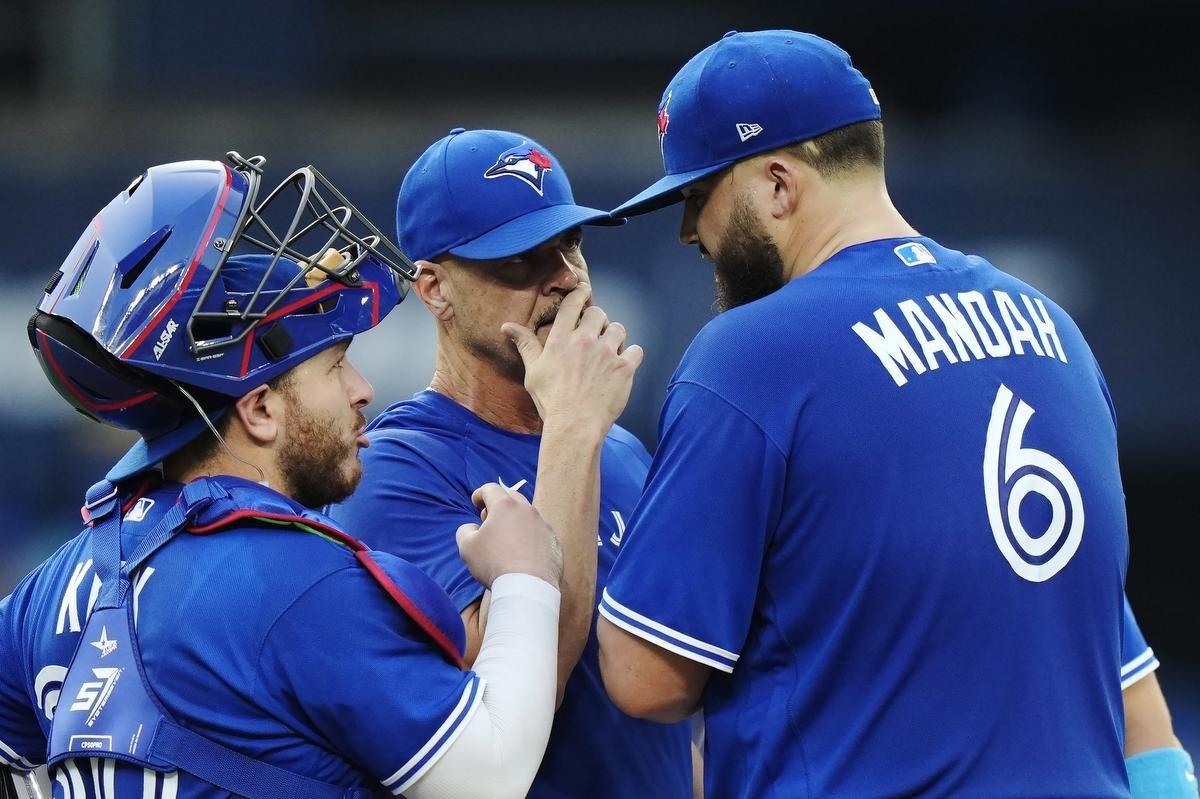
<point>147,454</point>
<point>665,191</point>
<point>526,232</point>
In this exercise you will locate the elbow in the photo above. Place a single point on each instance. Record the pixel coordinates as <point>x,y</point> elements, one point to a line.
<point>664,710</point>
<point>643,691</point>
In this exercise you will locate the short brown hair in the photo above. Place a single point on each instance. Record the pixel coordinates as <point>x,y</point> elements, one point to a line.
<point>206,445</point>
<point>843,150</point>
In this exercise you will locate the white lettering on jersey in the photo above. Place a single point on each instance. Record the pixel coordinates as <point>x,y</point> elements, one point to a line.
<point>619,535</point>
<point>1019,330</point>
<point>48,685</point>
<point>958,329</point>
<point>1045,327</point>
<point>890,346</point>
<point>514,487</point>
<point>959,337</point>
<point>1041,473</point>
<point>138,584</point>
<point>929,339</point>
<point>68,610</point>
<point>170,784</point>
<point>74,774</point>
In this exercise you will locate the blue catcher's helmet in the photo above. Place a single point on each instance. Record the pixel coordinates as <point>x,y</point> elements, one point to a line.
<point>187,279</point>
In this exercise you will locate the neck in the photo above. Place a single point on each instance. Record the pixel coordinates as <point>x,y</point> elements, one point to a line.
<point>843,215</point>
<point>479,386</point>
<point>222,463</point>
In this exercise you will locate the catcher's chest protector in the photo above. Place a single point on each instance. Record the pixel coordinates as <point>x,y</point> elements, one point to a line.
<point>110,711</point>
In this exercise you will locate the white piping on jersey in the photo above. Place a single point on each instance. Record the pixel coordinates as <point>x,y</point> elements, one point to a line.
<point>460,715</point>
<point>1138,668</point>
<point>663,642</point>
<point>662,628</point>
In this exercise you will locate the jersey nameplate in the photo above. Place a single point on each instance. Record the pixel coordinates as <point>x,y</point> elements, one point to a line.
<point>969,326</point>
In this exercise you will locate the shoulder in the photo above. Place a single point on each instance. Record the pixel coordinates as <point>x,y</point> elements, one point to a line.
<point>745,353</point>
<point>415,433</point>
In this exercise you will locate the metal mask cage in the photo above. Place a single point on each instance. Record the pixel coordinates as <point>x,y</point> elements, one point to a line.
<point>322,214</point>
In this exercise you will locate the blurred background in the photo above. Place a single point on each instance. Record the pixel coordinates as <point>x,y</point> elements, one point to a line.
<point>1058,139</point>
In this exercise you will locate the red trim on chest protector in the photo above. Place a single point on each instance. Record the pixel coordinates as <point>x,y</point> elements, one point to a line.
<point>363,556</point>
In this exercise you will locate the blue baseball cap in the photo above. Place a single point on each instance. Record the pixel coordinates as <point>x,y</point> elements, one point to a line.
<point>486,194</point>
<point>746,94</point>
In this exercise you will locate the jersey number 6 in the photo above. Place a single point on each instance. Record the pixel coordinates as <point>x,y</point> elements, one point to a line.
<point>1011,472</point>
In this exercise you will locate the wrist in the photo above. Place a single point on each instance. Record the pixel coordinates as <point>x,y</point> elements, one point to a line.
<point>578,432</point>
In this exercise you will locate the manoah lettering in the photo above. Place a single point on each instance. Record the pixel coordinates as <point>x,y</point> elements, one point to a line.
<point>959,329</point>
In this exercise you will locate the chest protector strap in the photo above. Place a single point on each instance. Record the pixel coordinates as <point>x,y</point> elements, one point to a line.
<point>113,712</point>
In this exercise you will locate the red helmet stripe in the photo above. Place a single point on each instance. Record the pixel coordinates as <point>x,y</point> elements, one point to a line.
<point>191,270</point>
<point>316,296</point>
<point>66,381</point>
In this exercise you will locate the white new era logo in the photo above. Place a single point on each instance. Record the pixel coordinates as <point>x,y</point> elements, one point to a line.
<point>748,130</point>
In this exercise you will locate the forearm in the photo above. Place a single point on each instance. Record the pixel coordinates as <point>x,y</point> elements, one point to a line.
<point>499,748</point>
<point>1147,718</point>
<point>568,497</point>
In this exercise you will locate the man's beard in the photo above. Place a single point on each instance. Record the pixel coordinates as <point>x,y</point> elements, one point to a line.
<point>748,264</point>
<point>314,457</point>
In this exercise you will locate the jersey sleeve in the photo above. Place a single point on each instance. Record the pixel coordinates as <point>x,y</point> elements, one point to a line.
<point>1137,658</point>
<point>22,744</point>
<point>712,497</point>
<point>348,664</point>
<point>412,500</point>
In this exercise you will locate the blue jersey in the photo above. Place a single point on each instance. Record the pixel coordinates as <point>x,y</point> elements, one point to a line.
<point>268,640</point>
<point>886,510</point>
<point>427,455</point>
<point>1137,658</point>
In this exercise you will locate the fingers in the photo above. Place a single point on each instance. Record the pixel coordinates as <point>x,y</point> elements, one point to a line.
<point>569,311</point>
<point>464,534</point>
<point>614,336</point>
<point>525,340</point>
<point>593,320</point>
<point>633,355</point>
<point>489,495</point>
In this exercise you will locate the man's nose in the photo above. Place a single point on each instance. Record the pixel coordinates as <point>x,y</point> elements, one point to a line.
<point>362,393</point>
<point>565,278</point>
<point>687,227</point>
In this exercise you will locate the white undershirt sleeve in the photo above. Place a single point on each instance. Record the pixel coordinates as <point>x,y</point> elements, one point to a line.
<point>499,749</point>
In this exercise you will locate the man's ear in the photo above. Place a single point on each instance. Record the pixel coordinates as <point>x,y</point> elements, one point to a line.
<point>787,179</point>
<point>260,412</point>
<point>434,290</point>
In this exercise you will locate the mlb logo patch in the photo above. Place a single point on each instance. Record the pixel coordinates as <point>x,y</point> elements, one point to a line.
<point>914,254</point>
<point>139,510</point>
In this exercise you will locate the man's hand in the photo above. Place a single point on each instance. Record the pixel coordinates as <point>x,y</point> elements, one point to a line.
<point>513,538</point>
<point>584,373</point>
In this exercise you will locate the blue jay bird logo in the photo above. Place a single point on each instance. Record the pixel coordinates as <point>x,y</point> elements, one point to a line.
<point>524,162</point>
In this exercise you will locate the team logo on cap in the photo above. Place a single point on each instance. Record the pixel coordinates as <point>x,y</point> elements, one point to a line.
<point>664,119</point>
<point>524,162</point>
